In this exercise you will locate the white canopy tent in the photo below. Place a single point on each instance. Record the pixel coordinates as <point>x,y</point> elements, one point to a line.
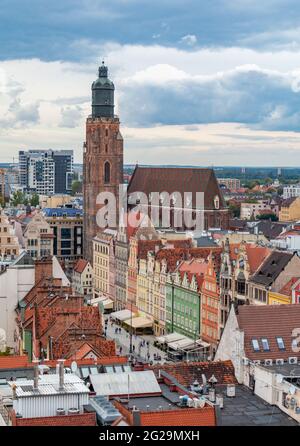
<point>122,315</point>
<point>172,337</point>
<point>139,322</point>
<point>181,344</point>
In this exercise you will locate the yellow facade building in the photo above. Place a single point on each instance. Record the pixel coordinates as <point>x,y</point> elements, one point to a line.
<point>290,210</point>
<point>278,299</point>
<point>104,265</point>
<point>9,244</point>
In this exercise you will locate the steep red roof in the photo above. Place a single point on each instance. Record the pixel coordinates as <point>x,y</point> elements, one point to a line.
<point>194,266</point>
<point>287,289</point>
<point>256,255</point>
<point>173,256</point>
<point>80,266</point>
<point>84,350</point>
<point>164,179</point>
<point>145,246</point>
<point>269,321</point>
<point>186,373</point>
<point>181,417</point>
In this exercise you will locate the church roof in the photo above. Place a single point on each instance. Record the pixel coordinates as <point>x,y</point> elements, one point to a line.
<point>177,179</point>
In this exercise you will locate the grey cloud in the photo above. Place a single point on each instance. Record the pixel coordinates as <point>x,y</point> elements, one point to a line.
<point>18,113</point>
<point>71,116</point>
<point>258,98</point>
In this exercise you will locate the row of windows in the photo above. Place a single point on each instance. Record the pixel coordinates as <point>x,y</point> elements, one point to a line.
<point>263,344</point>
<point>260,295</point>
<point>213,303</point>
<point>184,322</point>
<point>101,248</point>
<point>210,332</point>
<point>210,286</point>
<point>210,316</point>
<point>101,261</point>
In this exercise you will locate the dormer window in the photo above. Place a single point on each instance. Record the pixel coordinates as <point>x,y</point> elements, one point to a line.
<point>217,202</point>
<point>255,345</point>
<point>265,344</point>
<point>280,343</point>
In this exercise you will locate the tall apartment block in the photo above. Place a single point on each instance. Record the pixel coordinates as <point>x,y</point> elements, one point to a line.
<point>46,172</point>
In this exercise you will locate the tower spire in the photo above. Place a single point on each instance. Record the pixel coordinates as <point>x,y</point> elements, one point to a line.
<point>103,95</point>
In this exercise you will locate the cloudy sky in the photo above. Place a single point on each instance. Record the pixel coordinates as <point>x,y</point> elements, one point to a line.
<point>210,82</point>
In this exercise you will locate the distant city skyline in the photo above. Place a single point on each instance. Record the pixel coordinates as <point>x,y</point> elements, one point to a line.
<point>197,83</point>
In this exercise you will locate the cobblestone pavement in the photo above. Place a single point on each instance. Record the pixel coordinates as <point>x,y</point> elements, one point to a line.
<point>123,343</point>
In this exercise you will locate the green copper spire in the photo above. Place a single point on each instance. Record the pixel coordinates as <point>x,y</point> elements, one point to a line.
<point>103,95</point>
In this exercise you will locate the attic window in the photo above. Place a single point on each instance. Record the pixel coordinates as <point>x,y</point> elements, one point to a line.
<point>280,343</point>
<point>255,345</point>
<point>265,344</point>
<point>217,202</point>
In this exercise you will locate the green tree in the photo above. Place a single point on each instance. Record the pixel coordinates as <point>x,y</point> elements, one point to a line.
<point>76,187</point>
<point>18,198</point>
<point>35,199</point>
<point>234,210</point>
<point>270,216</point>
<point>268,180</point>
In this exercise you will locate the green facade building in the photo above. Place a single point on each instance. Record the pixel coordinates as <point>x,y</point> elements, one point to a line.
<point>183,305</point>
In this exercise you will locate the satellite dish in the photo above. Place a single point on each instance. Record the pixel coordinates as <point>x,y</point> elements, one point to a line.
<point>74,367</point>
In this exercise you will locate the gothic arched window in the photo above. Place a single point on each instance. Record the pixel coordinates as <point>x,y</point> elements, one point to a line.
<point>106,172</point>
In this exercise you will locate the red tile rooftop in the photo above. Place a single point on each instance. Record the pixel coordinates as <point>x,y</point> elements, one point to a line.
<point>193,266</point>
<point>186,373</point>
<point>20,362</point>
<point>256,255</point>
<point>270,322</point>
<point>80,266</point>
<point>287,289</point>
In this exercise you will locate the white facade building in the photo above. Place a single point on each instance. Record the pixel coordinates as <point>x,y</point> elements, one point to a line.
<point>15,282</point>
<point>289,243</point>
<point>291,191</point>
<point>274,386</point>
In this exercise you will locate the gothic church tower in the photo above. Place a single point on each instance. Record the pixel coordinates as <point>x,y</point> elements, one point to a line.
<point>102,157</point>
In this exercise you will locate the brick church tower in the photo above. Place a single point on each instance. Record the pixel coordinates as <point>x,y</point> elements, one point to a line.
<point>102,157</point>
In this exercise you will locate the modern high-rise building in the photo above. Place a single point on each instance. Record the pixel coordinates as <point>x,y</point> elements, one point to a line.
<point>46,172</point>
<point>102,157</point>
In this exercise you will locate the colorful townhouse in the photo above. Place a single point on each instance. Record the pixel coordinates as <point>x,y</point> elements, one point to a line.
<point>210,303</point>
<point>272,275</point>
<point>183,298</point>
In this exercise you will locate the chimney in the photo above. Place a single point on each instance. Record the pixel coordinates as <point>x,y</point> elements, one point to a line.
<point>36,376</point>
<point>43,269</point>
<point>61,372</point>
<point>14,391</point>
<point>136,416</point>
